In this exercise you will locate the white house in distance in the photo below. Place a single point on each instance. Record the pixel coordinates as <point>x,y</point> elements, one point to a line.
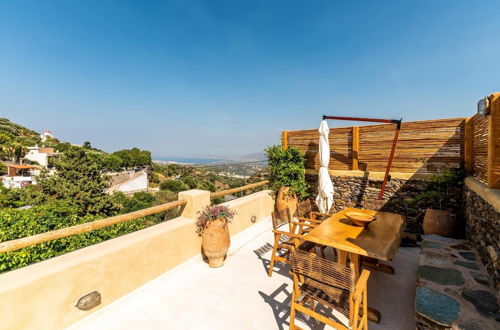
<point>40,155</point>
<point>19,176</point>
<point>45,135</point>
<point>128,182</point>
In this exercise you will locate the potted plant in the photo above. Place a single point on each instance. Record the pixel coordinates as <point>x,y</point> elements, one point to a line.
<point>438,217</point>
<point>212,226</point>
<point>287,176</point>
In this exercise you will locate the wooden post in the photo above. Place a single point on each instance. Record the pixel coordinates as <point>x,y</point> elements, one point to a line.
<point>468,145</point>
<point>494,142</point>
<point>355,148</point>
<point>284,140</point>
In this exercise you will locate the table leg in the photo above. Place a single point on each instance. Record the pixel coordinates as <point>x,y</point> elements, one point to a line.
<point>342,257</point>
<point>355,261</point>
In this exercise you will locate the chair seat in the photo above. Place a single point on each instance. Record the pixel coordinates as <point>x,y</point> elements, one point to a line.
<point>333,297</point>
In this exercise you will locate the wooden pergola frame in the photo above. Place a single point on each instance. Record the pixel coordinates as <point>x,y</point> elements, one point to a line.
<point>394,142</point>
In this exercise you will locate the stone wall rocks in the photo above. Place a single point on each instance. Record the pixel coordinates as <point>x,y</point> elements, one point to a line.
<point>483,230</point>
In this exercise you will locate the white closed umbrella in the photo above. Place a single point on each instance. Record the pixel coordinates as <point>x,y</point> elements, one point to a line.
<point>325,184</point>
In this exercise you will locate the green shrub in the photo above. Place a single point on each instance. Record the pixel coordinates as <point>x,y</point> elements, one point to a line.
<point>287,168</point>
<point>174,186</point>
<point>54,215</point>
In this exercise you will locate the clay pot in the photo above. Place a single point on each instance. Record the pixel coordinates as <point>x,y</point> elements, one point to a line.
<point>285,199</point>
<point>439,222</point>
<point>215,242</point>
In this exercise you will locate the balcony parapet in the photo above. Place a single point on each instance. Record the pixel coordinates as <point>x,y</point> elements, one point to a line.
<point>44,295</point>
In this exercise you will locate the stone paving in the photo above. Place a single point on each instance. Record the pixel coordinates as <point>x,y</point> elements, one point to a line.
<point>453,289</point>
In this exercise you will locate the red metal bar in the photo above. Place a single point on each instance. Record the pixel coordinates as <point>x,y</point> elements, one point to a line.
<point>394,142</point>
<point>375,120</point>
<point>389,164</point>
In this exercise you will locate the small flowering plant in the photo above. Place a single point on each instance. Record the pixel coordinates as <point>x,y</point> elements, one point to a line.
<point>211,213</point>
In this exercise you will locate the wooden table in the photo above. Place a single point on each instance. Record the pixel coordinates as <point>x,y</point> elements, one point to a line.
<point>379,240</point>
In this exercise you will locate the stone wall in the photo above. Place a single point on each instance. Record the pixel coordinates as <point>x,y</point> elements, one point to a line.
<point>399,196</point>
<point>483,224</point>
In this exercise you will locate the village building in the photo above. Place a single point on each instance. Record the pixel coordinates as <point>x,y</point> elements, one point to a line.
<point>40,155</point>
<point>128,182</point>
<point>46,135</point>
<point>20,176</point>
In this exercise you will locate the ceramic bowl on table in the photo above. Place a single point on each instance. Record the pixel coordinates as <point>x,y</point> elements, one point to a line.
<point>360,218</point>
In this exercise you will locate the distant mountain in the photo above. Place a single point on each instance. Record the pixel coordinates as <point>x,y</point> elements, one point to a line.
<point>256,156</point>
<point>187,160</point>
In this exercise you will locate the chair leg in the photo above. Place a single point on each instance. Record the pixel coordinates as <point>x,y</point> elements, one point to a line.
<point>292,312</point>
<point>273,256</point>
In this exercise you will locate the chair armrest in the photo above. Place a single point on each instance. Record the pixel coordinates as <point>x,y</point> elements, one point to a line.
<point>314,221</point>
<point>304,222</point>
<point>286,233</point>
<point>361,284</point>
<point>322,214</point>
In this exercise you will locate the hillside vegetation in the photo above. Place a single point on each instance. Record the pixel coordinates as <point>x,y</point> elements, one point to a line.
<point>75,194</point>
<point>18,133</point>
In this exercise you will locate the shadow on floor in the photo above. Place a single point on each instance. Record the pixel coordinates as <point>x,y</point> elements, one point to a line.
<point>279,301</point>
<point>279,267</point>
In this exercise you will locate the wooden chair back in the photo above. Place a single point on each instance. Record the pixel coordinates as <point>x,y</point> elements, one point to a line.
<point>324,271</point>
<point>334,285</point>
<point>304,208</point>
<point>280,218</point>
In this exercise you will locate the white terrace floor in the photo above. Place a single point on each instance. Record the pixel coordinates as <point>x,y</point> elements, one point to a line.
<point>240,295</point>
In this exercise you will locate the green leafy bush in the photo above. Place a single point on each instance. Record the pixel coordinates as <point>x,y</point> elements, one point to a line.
<point>57,214</point>
<point>287,168</point>
<point>174,186</point>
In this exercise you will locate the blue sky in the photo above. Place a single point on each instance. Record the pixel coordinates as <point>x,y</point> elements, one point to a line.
<point>224,78</point>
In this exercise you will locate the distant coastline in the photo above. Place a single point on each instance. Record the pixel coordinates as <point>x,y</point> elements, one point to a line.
<point>188,160</point>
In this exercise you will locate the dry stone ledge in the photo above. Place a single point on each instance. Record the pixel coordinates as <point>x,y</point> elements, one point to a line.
<point>453,288</point>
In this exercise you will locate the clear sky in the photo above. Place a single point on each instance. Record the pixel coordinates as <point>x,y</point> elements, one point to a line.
<point>224,78</point>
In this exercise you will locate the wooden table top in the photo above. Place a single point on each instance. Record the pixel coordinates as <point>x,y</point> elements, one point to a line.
<point>379,240</point>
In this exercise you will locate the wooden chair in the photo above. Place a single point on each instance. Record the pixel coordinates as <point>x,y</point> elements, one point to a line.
<point>287,237</point>
<point>310,218</point>
<point>305,213</point>
<point>320,281</point>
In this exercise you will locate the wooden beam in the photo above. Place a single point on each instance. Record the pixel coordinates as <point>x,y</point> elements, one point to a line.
<point>20,243</point>
<point>355,148</point>
<point>494,142</point>
<point>468,145</point>
<point>235,190</point>
<point>284,140</point>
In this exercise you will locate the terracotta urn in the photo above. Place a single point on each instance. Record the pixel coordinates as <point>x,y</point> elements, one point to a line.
<point>284,199</point>
<point>439,222</point>
<point>215,242</point>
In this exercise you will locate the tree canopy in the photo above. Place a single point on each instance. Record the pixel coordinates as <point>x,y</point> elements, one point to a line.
<point>133,157</point>
<point>79,179</point>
